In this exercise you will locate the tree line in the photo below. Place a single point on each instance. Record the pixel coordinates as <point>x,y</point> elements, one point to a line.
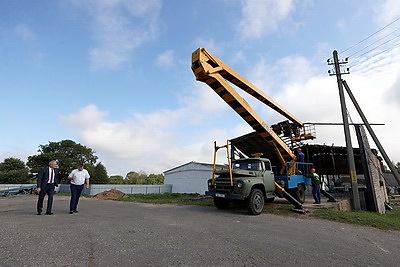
<point>69,155</point>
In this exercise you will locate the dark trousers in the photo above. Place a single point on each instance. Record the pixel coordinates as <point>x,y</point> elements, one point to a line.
<point>76,191</point>
<point>49,190</point>
<point>316,192</point>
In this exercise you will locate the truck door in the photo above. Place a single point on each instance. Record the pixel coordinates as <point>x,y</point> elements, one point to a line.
<point>269,178</point>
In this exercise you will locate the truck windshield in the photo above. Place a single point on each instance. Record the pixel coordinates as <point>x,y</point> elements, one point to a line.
<point>254,165</point>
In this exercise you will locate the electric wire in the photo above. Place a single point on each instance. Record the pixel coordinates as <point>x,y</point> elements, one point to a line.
<point>363,40</point>
<point>371,57</point>
<point>380,39</point>
<point>358,58</point>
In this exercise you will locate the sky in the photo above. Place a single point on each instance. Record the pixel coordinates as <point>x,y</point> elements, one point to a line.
<point>115,76</point>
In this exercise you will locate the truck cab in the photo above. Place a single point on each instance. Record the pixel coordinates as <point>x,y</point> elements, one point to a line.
<point>251,180</point>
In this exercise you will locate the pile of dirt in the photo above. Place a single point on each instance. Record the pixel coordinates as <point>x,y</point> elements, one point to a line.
<point>111,194</point>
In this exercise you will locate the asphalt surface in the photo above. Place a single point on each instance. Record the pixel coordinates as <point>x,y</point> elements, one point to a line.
<point>112,233</point>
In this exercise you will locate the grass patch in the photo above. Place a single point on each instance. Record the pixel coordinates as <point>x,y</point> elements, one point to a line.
<point>279,209</point>
<point>388,221</point>
<point>169,198</point>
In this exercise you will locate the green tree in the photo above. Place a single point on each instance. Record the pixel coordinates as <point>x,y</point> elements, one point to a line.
<point>116,179</point>
<point>14,171</point>
<point>154,179</point>
<point>68,154</point>
<point>135,177</point>
<point>98,174</point>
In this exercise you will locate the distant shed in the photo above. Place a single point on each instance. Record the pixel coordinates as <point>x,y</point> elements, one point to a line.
<point>189,178</point>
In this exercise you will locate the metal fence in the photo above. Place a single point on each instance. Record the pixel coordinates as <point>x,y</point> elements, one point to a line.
<point>98,188</point>
<point>127,189</point>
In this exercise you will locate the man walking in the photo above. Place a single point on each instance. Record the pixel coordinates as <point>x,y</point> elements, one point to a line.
<point>46,182</point>
<point>78,178</point>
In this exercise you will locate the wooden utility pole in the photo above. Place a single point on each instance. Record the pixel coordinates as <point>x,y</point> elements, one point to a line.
<point>349,146</point>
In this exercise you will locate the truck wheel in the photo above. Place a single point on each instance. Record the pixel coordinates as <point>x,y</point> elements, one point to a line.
<point>221,203</point>
<point>255,201</point>
<point>300,193</point>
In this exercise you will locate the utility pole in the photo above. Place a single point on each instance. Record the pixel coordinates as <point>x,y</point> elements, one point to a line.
<point>349,146</point>
<point>372,133</point>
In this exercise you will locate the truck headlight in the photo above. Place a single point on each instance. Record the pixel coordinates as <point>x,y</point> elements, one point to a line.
<point>240,186</point>
<point>210,185</point>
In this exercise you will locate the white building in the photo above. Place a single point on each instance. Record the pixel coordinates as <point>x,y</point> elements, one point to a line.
<point>189,178</point>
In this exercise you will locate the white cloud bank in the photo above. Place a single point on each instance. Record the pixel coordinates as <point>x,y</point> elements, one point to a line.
<point>156,141</point>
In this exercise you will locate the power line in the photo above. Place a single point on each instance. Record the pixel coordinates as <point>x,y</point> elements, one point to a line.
<point>363,40</point>
<point>368,58</point>
<point>376,47</point>
<point>352,55</point>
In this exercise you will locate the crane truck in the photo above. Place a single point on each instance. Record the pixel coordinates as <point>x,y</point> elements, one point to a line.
<point>252,179</point>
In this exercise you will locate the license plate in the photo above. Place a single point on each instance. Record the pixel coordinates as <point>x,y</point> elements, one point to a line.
<point>219,195</point>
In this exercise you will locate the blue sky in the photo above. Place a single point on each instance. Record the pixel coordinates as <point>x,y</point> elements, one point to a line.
<point>115,75</point>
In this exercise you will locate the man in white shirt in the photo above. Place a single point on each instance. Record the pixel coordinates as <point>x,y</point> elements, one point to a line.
<point>78,178</point>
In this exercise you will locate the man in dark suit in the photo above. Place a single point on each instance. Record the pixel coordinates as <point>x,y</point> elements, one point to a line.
<point>47,180</point>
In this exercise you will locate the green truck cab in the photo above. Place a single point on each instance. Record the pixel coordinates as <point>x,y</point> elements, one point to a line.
<point>252,181</point>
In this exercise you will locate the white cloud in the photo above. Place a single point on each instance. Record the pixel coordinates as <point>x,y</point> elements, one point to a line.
<point>317,100</point>
<point>166,59</point>
<point>118,27</point>
<point>156,141</point>
<point>261,17</point>
<point>294,84</point>
<point>387,12</point>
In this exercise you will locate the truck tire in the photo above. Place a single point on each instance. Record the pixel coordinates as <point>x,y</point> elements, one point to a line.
<point>221,203</point>
<point>300,194</point>
<point>255,201</point>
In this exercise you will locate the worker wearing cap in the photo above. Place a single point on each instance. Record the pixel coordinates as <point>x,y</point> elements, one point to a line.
<point>78,178</point>
<point>316,186</point>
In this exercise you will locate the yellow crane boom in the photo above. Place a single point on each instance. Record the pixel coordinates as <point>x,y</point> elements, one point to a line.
<point>209,69</point>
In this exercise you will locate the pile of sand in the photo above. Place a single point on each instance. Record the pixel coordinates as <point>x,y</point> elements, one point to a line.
<point>111,194</point>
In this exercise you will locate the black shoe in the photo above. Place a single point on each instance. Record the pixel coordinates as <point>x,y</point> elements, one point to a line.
<point>75,211</point>
<point>39,213</point>
<point>71,212</point>
<point>49,213</point>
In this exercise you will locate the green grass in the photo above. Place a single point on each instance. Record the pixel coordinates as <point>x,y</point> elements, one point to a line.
<point>169,198</point>
<point>279,209</point>
<point>389,221</point>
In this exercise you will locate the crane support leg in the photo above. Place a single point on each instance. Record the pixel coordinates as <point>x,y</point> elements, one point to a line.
<point>329,196</point>
<point>280,191</point>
